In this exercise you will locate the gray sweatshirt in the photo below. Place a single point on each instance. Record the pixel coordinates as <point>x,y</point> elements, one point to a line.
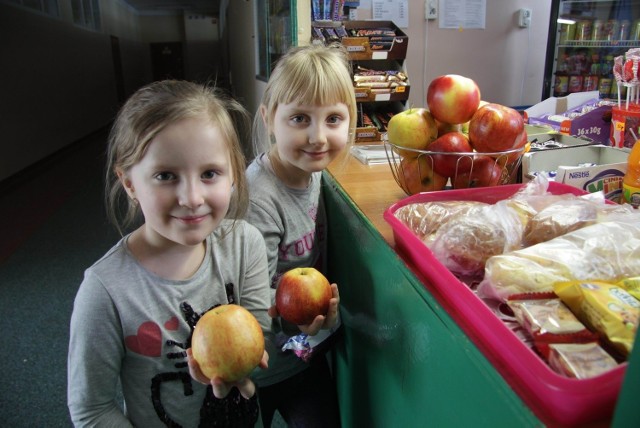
<point>293,224</point>
<point>131,326</point>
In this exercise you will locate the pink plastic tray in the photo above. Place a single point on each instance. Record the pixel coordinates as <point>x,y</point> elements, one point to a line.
<point>555,399</point>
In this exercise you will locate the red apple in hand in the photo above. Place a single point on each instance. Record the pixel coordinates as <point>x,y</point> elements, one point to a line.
<point>453,98</point>
<point>302,295</point>
<point>227,342</point>
<point>496,128</point>
<point>449,164</point>
<point>416,175</point>
<point>484,172</point>
<point>414,128</point>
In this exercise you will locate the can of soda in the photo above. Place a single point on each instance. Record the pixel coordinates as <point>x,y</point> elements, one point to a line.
<point>575,83</point>
<point>583,30</point>
<point>635,30</point>
<point>624,30</point>
<point>561,86</point>
<point>590,83</point>
<point>597,30</point>
<point>612,30</point>
<point>604,87</point>
<point>567,32</point>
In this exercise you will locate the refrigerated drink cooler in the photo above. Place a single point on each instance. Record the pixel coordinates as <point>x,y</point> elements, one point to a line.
<point>584,39</point>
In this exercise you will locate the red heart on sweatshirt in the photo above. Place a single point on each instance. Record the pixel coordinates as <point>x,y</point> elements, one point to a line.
<point>147,342</point>
<point>172,324</point>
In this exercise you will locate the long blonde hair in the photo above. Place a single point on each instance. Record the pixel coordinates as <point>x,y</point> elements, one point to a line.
<point>307,75</point>
<point>146,113</point>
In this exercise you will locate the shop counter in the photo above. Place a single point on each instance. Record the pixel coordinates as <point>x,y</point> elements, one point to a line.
<point>403,361</point>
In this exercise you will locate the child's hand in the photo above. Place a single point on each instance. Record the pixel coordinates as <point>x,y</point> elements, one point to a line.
<point>324,322</point>
<point>321,322</point>
<point>221,388</point>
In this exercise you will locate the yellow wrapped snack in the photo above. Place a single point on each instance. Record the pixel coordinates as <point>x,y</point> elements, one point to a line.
<point>632,285</point>
<point>605,307</point>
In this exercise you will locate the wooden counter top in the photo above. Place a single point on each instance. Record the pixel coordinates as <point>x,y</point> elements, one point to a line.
<point>371,187</point>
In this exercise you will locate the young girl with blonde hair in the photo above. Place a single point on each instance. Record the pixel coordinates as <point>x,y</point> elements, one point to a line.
<point>307,118</point>
<point>174,161</point>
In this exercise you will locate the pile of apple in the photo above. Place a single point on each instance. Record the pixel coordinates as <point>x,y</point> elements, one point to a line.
<point>458,137</point>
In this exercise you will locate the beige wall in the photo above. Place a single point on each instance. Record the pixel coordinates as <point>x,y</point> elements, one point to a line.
<point>505,60</point>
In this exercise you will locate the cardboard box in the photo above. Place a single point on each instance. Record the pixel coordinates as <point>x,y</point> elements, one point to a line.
<point>589,168</point>
<point>365,48</point>
<point>558,113</point>
<point>556,140</point>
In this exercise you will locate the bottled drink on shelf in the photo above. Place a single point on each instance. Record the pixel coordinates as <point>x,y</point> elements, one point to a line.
<point>561,83</point>
<point>631,180</point>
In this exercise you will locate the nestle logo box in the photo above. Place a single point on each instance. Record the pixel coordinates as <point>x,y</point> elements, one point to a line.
<point>590,168</point>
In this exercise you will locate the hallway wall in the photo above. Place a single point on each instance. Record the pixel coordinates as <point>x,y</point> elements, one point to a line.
<point>57,86</point>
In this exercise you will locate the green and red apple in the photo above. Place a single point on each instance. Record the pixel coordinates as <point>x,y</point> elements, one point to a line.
<point>452,98</point>
<point>414,128</point>
<point>416,175</point>
<point>496,128</point>
<point>302,295</point>
<point>227,342</point>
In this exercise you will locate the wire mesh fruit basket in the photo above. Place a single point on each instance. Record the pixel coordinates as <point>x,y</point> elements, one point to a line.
<point>418,171</point>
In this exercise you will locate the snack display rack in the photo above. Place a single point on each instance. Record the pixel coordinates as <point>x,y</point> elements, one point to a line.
<point>375,47</point>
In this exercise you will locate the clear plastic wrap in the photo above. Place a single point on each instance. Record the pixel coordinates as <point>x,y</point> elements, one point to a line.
<point>607,251</point>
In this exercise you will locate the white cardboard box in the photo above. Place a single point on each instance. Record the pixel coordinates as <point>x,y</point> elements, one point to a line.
<point>596,124</point>
<point>606,175</point>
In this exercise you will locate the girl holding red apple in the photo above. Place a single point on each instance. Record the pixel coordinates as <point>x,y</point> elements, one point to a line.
<point>175,163</point>
<point>306,119</point>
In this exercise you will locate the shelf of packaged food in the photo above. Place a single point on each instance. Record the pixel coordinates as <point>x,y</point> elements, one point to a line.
<point>600,44</point>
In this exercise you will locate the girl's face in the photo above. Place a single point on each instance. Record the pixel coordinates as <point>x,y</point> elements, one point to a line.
<point>308,138</point>
<point>183,183</point>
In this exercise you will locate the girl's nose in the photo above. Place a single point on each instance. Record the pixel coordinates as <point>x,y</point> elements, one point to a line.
<point>317,134</point>
<point>191,194</point>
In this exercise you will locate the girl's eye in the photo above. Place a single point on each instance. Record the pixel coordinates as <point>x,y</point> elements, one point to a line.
<point>334,119</point>
<point>298,119</point>
<point>209,175</point>
<point>165,176</point>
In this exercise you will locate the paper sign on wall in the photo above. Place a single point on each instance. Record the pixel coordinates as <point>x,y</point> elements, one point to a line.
<point>461,14</point>
<point>392,10</point>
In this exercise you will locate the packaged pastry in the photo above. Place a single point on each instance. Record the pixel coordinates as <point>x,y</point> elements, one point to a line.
<point>549,319</point>
<point>580,360</point>
<point>609,251</point>
<point>605,308</point>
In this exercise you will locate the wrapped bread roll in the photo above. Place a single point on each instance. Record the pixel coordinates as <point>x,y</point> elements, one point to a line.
<point>424,218</point>
<point>607,251</point>
<point>561,217</point>
<point>464,243</point>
